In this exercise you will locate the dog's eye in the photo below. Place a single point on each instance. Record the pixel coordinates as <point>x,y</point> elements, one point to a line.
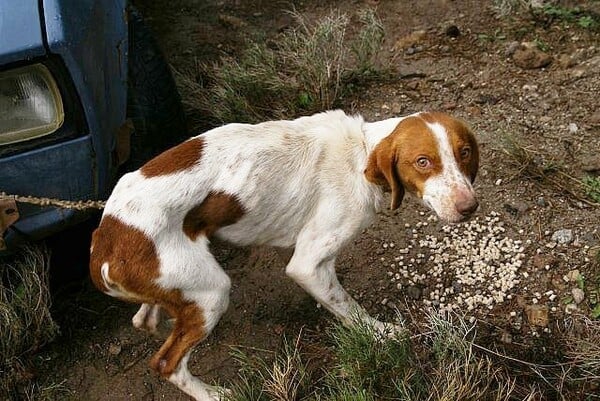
<point>423,162</point>
<point>465,153</point>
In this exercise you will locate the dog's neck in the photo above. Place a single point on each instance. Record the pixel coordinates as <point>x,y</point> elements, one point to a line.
<point>374,132</point>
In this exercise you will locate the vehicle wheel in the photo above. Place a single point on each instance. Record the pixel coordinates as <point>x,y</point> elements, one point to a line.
<point>153,103</point>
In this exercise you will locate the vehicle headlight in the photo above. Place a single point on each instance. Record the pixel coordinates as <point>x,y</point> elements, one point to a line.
<point>30,104</point>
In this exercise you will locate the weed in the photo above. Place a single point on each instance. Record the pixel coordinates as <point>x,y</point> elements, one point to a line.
<point>540,44</point>
<point>285,377</point>
<point>534,165</point>
<point>591,186</point>
<point>368,360</point>
<point>496,36</point>
<point>366,47</point>
<point>304,70</point>
<point>25,321</point>
<point>583,19</point>
<point>549,11</point>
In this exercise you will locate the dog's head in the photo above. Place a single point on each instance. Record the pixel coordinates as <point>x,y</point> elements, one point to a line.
<point>433,156</point>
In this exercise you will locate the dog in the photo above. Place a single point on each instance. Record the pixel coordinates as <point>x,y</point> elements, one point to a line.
<point>311,184</point>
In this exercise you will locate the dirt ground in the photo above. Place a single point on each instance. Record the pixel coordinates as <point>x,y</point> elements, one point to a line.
<point>446,55</point>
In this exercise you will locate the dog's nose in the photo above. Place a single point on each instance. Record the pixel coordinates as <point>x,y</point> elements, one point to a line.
<point>466,206</point>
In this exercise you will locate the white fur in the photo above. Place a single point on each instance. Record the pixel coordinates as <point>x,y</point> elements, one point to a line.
<point>441,191</point>
<point>302,185</point>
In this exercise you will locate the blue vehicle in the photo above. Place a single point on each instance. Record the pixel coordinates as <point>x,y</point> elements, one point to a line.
<point>85,95</point>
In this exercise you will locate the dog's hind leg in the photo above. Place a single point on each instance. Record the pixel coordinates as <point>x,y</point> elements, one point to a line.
<point>200,298</point>
<point>147,318</point>
<point>172,359</point>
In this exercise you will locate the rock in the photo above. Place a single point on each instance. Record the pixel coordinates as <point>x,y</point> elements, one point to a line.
<point>541,201</point>
<point>573,276</point>
<point>410,40</point>
<point>414,292</point>
<point>537,315</point>
<point>540,261</point>
<point>506,337</point>
<point>566,61</point>
<point>449,105</point>
<point>518,208</point>
<point>511,48</point>
<point>521,206</point>
<point>595,118</point>
<point>114,349</point>
<point>231,21</point>
<point>571,308</point>
<point>578,295</point>
<point>589,160</point>
<point>452,31</point>
<point>284,22</point>
<point>573,128</point>
<point>563,237</point>
<point>413,50</point>
<point>528,56</point>
<point>586,68</point>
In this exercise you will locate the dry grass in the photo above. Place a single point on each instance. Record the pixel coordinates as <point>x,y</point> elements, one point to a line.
<point>304,70</point>
<point>442,362</point>
<point>25,321</point>
<point>534,165</point>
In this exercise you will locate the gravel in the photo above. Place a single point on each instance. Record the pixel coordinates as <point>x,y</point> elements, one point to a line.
<point>469,266</point>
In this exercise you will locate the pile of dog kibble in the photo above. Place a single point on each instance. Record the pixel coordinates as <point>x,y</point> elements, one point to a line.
<point>470,266</point>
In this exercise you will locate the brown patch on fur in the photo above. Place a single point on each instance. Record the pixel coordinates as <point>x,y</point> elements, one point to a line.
<point>391,164</point>
<point>179,158</point>
<point>131,257</point>
<point>133,270</point>
<point>460,135</point>
<point>188,331</point>
<point>217,210</point>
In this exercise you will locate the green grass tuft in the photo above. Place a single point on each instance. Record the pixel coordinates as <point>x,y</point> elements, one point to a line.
<point>591,186</point>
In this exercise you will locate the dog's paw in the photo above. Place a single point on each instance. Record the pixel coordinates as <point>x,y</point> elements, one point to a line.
<point>388,330</point>
<point>218,393</point>
<point>147,318</point>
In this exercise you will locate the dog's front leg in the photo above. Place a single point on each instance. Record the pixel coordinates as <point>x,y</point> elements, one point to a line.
<point>318,278</point>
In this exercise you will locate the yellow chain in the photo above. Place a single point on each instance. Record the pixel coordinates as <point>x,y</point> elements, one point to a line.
<point>63,204</point>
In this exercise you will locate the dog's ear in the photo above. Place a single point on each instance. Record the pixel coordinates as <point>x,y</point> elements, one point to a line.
<point>381,170</point>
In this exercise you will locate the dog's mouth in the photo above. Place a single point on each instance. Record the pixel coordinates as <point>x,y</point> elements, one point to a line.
<point>451,218</point>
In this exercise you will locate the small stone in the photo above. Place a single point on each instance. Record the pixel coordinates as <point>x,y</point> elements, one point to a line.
<point>506,337</point>
<point>413,50</point>
<point>528,56</point>
<point>570,308</point>
<point>578,295</point>
<point>537,315</point>
<point>114,349</point>
<point>563,237</point>
<point>410,40</point>
<point>541,201</point>
<point>573,276</point>
<point>452,31</point>
<point>231,21</point>
<point>595,118</point>
<point>573,128</point>
<point>498,181</point>
<point>414,292</point>
<point>511,48</point>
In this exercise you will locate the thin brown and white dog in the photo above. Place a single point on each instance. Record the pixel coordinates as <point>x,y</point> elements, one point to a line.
<point>311,184</point>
